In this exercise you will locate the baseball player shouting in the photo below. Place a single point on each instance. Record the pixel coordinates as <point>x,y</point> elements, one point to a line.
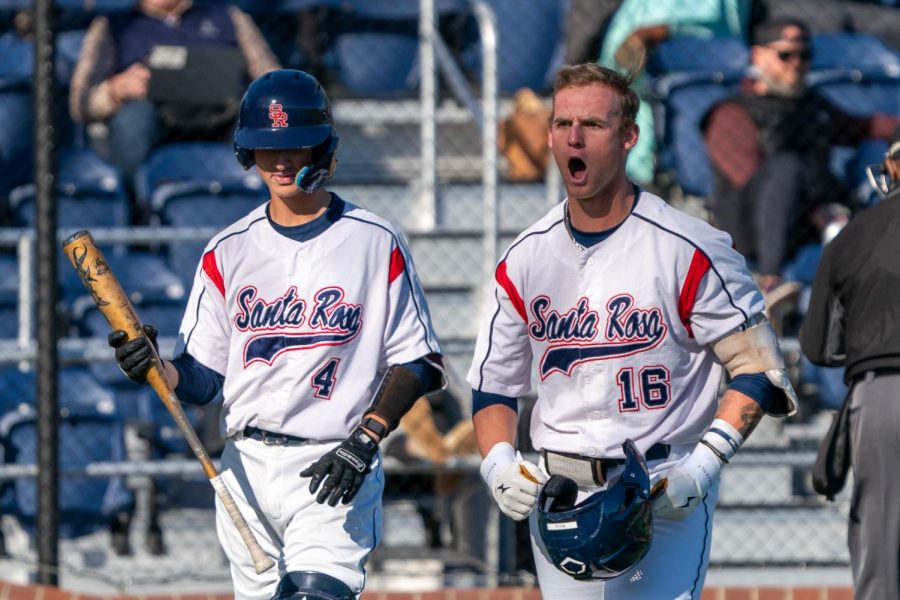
<point>625,311</point>
<point>308,316</point>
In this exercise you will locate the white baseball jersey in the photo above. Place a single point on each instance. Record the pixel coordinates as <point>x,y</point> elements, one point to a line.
<point>616,334</point>
<point>303,331</point>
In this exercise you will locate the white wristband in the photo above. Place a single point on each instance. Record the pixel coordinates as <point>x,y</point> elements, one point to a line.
<point>500,456</point>
<point>723,439</point>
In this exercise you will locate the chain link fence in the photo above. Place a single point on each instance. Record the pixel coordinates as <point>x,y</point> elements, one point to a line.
<point>136,513</point>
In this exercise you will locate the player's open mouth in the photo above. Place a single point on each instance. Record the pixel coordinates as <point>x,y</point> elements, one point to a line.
<point>577,170</point>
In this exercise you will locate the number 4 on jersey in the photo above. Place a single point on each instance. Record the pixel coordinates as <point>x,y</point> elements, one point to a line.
<point>324,379</point>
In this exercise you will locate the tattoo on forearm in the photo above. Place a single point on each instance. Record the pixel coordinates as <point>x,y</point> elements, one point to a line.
<point>750,415</point>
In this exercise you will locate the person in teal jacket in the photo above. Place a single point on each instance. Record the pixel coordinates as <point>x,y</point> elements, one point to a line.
<point>638,26</point>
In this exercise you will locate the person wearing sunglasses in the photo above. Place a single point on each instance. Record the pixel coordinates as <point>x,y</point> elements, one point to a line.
<point>769,146</point>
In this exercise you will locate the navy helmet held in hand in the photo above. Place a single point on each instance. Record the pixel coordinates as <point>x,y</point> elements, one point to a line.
<point>284,110</point>
<point>606,534</point>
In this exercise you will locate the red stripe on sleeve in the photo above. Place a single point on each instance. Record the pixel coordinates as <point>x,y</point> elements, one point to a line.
<point>687,299</point>
<point>212,271</point>
<point>398,265</point>
<point>511,291</point>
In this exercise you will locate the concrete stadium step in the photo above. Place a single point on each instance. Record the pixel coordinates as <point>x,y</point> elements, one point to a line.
<point>380,140</point>
<point>457,207</point>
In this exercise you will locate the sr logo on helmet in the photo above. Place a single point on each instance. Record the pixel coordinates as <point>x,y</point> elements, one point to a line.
<point>288,110</point>
<point>606,534</point>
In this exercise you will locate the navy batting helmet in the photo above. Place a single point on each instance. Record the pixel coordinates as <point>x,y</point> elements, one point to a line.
<point>606,534</point>
<point>284,110</point>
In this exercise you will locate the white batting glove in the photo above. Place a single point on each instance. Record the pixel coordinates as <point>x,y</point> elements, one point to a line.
<point>689,480</point>
<point>514,483</point>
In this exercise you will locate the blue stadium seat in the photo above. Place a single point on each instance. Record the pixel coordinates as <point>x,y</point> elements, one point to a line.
<point>688,76</point>
<point>87,412</point>
<point>528,34</point>
<point>165,316</point>
<point>863,97</point>
<point>9,289</point>
<point>96,6</point>
<point>145,277</point>
<point>9,279</point>
<point>137,403</point>
<point>90,193</point>
<point>16,112</point>
<point>196,185</point>
<point>867,55</point>
<point>376,63</point>
<point>295,6</point>
<point>193,167</point>
<point>857,72</point>
<point>68,48</point>
<point>678,60</point>
<point>377,53</point>
<point>402,9</point>
<point>201,209</point>
<point>682,148</point>
<point>16,60</point>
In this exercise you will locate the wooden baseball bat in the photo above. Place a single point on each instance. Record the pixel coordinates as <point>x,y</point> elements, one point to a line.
<point>105,289</point>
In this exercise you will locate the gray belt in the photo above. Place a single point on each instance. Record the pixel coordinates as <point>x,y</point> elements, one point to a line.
<point>588,471</point>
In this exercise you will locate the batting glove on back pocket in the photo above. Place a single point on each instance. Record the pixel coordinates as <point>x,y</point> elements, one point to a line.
<point>514,483</point>
<point>134,357</point>
<point>687,483</point>
<point>341,471</point>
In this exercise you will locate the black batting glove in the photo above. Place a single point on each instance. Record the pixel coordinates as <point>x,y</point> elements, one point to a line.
<point>134,357</point>
<point>343,469</point>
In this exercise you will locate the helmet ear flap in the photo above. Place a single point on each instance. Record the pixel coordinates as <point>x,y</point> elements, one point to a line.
<point>244,156</point>
<point>313,176</point>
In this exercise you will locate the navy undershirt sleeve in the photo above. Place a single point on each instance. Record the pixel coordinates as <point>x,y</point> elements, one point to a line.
<point>197,383</point>
<point>482,400</point>
<point>758,387</point>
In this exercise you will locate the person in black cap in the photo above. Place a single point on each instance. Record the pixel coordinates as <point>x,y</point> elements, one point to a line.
<point>854,320</point>
<point>769,146</point>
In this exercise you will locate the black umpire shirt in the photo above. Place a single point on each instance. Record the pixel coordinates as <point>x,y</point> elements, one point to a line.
<point>854,312</point>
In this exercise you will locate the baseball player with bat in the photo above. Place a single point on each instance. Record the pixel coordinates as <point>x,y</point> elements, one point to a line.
<point>626,311</point>
<point>309,318</point>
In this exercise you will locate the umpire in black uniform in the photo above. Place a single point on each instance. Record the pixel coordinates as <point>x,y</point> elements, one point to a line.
<point>854,321</point>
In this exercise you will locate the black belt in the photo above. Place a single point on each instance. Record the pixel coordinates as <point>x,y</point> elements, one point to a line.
<point>577,466</point>
<point>270,438</point>
<point>871,374</point>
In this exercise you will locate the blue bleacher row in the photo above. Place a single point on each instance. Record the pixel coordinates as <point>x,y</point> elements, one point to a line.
<point>95,408</point>
<point>857,72</point>
<point>372,53</point>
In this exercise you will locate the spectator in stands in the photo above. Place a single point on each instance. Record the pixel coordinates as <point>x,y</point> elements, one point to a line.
<point>111,80</point>
<point>769,146</point>
<point>637,27</point>
<point>853,321</point>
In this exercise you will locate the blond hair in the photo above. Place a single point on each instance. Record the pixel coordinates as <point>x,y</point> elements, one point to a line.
<point>571,76</point>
